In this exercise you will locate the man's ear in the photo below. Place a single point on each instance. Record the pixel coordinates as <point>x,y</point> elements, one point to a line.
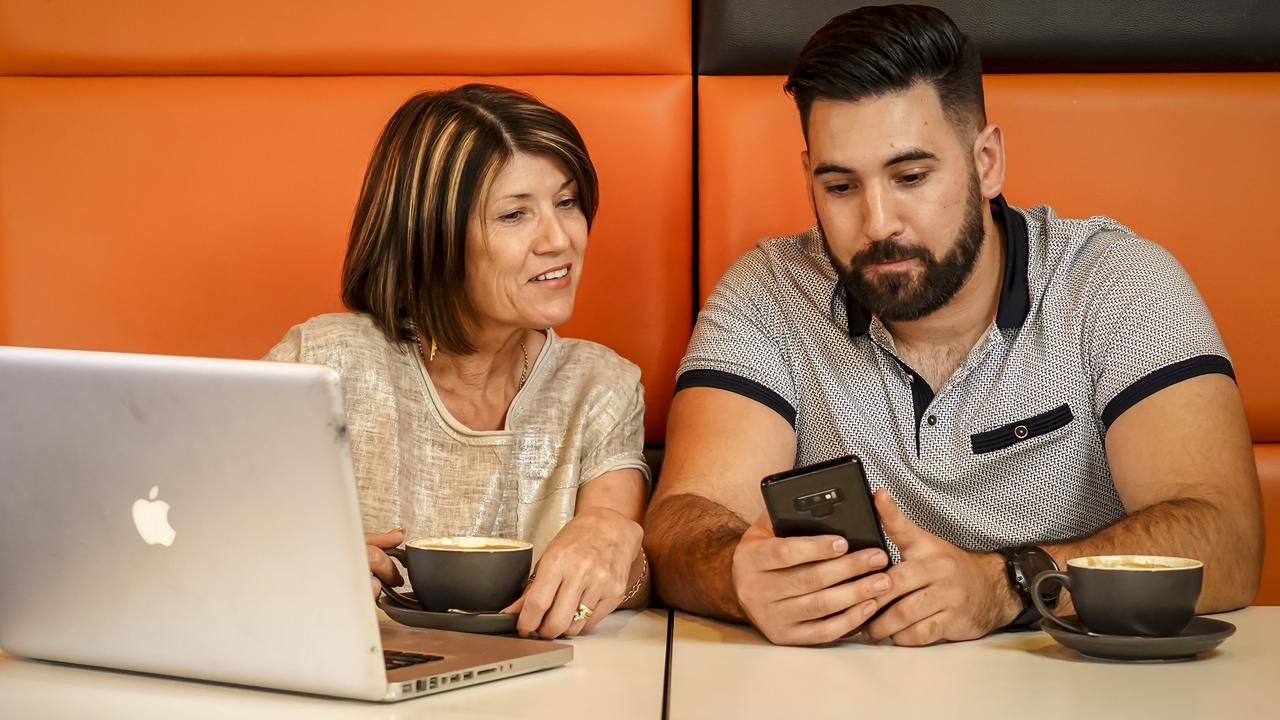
<point>988,160</point>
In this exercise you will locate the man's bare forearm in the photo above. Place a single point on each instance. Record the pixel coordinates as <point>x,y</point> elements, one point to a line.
<point>1228,543</point>
<point>690,541</point>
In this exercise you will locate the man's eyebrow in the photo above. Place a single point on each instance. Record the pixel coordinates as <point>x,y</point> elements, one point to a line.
<point>910,156</point>
<point>833,169</point>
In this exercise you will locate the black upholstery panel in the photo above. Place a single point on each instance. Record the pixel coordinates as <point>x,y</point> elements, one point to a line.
<point>762,37</point>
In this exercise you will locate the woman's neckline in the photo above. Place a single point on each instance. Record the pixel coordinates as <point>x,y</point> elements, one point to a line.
<point>443,413</point>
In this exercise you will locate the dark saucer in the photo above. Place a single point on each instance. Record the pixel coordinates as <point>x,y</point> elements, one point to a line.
<point>483,623</point>
<point>1201,635</point>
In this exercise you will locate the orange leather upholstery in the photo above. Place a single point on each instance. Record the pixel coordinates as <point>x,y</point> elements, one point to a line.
<point>306,37</point>
<point>1268,459</point>
<point>1178,158</point>
<point>205,215</point>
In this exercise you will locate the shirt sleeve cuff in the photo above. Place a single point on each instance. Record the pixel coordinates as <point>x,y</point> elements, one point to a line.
<point>742,386</point>
<point>1158,380</point>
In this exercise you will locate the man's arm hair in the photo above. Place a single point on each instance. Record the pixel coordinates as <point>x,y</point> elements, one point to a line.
<point>719,445</point>
<point>691,541</point>
<point>1182,462</point>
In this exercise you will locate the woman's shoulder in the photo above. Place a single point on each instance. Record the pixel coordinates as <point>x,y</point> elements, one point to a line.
<point>597,362</point>
<point>333,338</point>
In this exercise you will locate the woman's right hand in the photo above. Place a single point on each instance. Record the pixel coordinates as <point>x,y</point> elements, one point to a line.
<point>379,564</point>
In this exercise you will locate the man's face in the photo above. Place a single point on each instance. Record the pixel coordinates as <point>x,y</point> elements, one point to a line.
<point>898,198</point>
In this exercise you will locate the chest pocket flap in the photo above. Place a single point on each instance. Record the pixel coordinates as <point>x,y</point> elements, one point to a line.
<point>1020,430</point>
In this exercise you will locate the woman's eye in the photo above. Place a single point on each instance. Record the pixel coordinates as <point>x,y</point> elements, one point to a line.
<point>511,216</point>
<point>567,203</point>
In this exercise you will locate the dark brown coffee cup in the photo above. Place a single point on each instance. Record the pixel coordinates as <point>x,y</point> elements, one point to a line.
<point>468,574</point>
<point>1147,595</point>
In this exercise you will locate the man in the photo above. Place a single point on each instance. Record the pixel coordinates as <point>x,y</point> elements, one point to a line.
<point>1022,388</point>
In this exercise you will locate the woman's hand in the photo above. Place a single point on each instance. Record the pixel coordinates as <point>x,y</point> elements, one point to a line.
<point>379,564</point>
<point>589,562</point>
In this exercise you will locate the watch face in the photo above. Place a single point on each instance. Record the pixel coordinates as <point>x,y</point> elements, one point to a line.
<point>1030,562</point>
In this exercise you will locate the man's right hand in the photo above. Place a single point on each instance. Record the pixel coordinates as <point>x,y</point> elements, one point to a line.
<point>379,564</point>
<point>795,591</point>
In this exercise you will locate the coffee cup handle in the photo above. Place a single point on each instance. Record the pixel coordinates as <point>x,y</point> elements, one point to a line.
<point>1045,612</point>
<point>399,554</point>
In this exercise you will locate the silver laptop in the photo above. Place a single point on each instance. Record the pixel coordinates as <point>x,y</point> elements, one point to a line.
<point>198,518</point>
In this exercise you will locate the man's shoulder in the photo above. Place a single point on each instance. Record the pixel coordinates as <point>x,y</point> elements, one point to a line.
<point>777,262</point>
<point>1088,254</point>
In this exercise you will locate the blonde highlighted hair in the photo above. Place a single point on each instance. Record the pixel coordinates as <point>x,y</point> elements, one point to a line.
<point>406,263</point>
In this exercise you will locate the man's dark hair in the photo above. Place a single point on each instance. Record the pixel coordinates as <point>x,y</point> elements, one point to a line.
<point>874,51</point>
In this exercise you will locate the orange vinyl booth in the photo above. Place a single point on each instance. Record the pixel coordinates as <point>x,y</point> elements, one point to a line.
<point>180,179</point>
<point>1182,158</point>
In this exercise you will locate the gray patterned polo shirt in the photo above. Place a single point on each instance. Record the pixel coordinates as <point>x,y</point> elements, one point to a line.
<point>1010,450</point>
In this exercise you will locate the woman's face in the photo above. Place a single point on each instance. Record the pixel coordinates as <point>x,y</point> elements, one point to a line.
<point>525,247</point>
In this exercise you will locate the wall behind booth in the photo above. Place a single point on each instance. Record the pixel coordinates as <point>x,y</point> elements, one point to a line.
<point>1171,131</point>
<point>180,179</point>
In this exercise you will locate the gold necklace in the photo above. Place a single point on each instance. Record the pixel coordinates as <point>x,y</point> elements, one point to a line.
<point>426,359</point>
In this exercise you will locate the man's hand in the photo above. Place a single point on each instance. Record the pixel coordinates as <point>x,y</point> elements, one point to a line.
<point>794,589</point>
<point>944,593</point>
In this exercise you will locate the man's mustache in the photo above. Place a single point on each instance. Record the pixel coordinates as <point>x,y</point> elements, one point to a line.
<point>884,251</point>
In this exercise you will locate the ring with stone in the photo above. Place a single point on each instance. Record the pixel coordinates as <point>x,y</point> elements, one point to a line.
<point>583,613</point>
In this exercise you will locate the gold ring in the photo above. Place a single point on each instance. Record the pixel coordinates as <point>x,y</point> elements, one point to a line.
<point>583,613</point>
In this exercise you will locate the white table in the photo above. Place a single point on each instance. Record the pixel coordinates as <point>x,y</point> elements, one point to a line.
<point>720,670</point>
<point>617,671</point>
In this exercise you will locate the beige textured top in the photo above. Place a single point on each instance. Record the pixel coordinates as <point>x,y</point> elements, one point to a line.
<point>579,415</point>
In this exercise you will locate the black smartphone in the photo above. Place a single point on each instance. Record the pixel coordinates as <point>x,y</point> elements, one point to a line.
<point>829,498</point>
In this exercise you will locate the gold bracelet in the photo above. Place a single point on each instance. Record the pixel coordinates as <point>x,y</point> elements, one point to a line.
<point>644,571</point>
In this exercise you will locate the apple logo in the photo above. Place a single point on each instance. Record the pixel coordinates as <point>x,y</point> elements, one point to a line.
<point>151,517</point>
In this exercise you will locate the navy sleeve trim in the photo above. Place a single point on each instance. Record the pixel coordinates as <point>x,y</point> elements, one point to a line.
<point>742,386</point>
<point>1156,381</point>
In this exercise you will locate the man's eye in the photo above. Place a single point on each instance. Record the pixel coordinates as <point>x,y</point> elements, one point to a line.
<point>914,178</point>
<point>839,188</point>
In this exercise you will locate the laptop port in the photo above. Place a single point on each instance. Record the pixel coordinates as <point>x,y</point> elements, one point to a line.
<point>486,671</point>
<point>422,685</point>
<point>407,687</point>
<point>453,678</point>
<point>466,675</point>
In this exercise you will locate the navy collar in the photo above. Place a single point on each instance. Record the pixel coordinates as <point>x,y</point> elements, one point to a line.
<point>1015,292</point>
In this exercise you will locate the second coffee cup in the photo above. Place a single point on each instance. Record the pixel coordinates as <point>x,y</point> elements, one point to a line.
<point>471,574</point>
<point>1148,595</point>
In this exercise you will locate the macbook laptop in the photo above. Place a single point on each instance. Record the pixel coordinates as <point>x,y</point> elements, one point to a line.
<point>199,518</point>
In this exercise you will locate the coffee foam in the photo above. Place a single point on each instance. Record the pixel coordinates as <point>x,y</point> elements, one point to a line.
<point>1134,562</point>
<point>486,544</point>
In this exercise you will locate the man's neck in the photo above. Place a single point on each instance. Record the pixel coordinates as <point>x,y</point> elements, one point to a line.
<point>936,344</point>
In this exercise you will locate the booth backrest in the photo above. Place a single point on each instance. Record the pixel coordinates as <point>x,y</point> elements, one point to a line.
<point>1183,158</point>
<point>180,178</point>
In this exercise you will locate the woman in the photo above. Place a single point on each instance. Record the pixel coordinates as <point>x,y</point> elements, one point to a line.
<point>467,414</point>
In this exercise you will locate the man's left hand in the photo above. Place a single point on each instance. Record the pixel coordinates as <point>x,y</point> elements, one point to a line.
<point>942,592</point>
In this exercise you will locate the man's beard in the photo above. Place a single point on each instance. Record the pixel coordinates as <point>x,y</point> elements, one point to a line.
<point>903,295</point>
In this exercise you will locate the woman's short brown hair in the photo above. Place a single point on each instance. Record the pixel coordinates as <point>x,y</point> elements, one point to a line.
<point>406,263</point>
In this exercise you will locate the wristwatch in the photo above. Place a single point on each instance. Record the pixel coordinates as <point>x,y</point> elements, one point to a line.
<point>1022,564</point>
